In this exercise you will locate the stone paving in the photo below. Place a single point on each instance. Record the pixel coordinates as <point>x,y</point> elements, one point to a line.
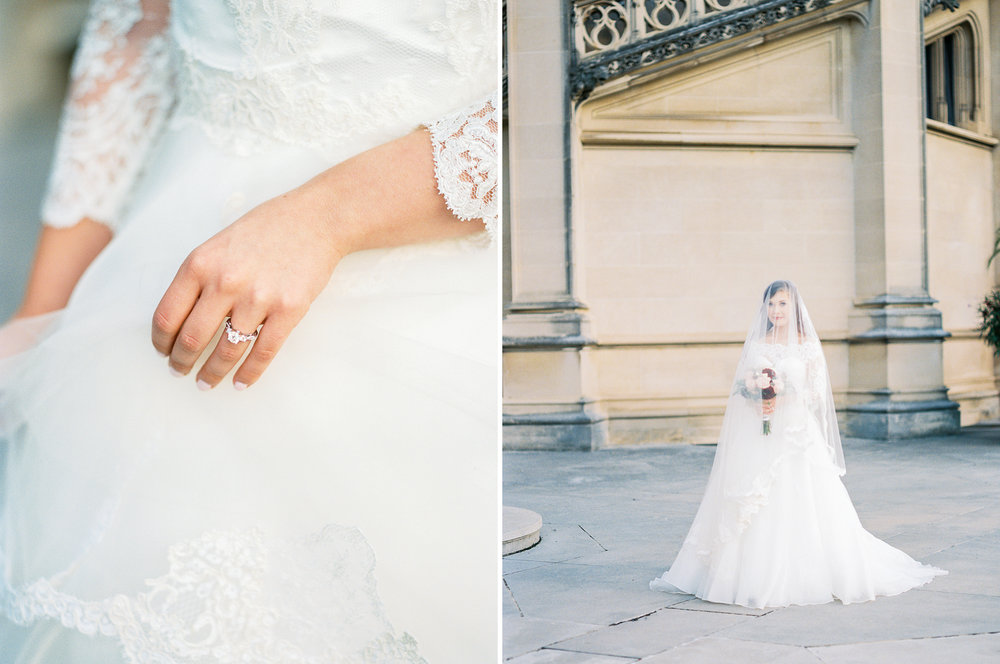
<point>614,519</point>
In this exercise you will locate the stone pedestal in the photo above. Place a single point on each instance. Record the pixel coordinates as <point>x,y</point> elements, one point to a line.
<point>521,529</point>
<point>896,370</point>
<point>547,375</point>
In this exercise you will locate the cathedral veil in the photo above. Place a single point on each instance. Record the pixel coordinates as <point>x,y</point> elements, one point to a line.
<point>776,526</point>
<point>782,364</point>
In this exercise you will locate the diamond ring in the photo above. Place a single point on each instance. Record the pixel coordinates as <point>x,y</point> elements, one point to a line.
<point>235,336</point>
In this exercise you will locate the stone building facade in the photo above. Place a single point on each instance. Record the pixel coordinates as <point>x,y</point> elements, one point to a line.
<point>669,158</point>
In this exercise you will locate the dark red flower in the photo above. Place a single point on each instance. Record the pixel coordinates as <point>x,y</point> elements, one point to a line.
<point>768,392</point>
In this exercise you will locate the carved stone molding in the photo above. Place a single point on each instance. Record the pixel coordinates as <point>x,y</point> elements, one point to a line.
<point>615,37</point>
<point>613,45</point>
<point>739,99</point>
<point>931,5</point>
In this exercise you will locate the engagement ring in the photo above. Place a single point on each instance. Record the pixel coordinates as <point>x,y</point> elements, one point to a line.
<point>235,336</point>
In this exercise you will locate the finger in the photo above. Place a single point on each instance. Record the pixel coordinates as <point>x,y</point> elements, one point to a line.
<point>174,308</point>
<point>272,336</point>
<point>196,332</point>
<point>227,353</point>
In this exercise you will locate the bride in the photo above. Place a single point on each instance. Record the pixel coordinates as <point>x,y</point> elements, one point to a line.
<point>776,526</point>
<point>288,199</point>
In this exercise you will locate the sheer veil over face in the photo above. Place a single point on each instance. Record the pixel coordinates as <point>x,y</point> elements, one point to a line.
<point>782,340</point>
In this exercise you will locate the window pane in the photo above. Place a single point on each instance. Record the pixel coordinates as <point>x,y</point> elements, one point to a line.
<point>948,53</point>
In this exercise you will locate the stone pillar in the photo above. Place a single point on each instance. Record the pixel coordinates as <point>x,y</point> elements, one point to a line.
<point>896,370</point>
<point>545,325</point>
<point>993,90</point>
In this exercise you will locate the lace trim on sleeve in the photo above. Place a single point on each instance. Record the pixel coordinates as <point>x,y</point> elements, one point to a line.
<point>120,95</point>
<point>466,164</point>
<point>816,376</point>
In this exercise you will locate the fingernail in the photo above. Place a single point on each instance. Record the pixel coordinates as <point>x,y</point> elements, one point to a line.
<point>161,353</point>
<point>175,372</point>
<point>240,386</point>
<point>203,386</point>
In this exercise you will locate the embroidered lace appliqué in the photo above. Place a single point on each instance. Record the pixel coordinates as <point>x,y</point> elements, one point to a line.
<point>466,20</point>
<point>260,104</point>
<point>238,597</point>
<point>118,102</point>
<point>284,93</point>
<point>466,163</point>
<point>128,72</point>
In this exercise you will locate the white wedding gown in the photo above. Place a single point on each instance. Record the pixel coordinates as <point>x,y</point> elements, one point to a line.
<point>776,526</point>
<point>146,521</point>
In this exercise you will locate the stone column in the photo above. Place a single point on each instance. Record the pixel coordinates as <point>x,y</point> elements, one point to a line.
<point>896,375</point>
<point>545,325</point>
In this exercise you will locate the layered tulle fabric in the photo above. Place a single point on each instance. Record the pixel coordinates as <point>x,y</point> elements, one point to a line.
<point>776,526</point>
<point>125,485</point>
<point>343,508</point>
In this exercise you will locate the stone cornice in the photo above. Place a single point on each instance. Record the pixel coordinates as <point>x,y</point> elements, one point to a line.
<point>588,72</point>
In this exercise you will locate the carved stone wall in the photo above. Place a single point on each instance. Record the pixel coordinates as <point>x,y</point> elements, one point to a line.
<point>797,150</point>
<point>695,189</point>
<point>960,220</point>
<point>615,37</point>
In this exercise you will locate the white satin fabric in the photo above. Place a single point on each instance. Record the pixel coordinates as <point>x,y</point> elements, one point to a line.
<point>344,507</point>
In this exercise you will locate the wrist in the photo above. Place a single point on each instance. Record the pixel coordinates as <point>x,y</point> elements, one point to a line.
<point>326,204</point>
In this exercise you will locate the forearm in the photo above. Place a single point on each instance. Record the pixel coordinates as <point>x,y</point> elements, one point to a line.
<point>384,197</point>
<point>265,269</point>
<point>119,98</point>
<point>60,259</point>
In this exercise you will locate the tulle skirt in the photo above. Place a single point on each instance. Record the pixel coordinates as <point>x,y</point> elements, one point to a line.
<point>787,534</point>
<point>144,518</point>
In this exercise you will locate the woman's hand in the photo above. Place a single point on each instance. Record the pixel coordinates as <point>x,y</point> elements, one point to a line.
<point>263,271</point>
<point>266,268</point>
<point>767,406</point>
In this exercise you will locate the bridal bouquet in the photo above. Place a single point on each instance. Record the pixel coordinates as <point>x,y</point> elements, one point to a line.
<point>763,385</point>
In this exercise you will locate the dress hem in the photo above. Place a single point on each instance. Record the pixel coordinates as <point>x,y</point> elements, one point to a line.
<point>833,597</point>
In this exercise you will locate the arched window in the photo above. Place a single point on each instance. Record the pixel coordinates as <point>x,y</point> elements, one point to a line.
<point>950,76</point>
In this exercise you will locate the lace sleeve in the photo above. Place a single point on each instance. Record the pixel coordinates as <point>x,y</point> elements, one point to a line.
<point>816,376</point>
<point>120,94</point>
<point>465,161</point>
